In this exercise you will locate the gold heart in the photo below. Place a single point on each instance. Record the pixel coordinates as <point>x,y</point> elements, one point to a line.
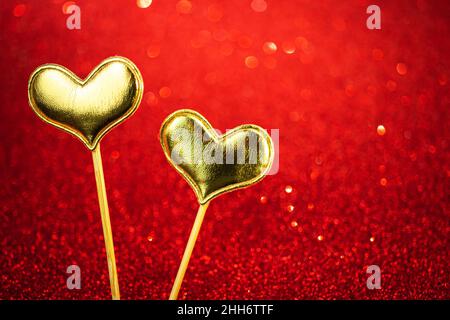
<point>194,149</point>
<point>87,108</point>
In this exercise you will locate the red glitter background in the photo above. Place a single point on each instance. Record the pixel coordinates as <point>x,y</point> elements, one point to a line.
<point>358,197</point>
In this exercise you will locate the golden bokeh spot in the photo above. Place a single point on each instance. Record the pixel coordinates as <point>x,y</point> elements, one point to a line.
<point>143,3</point>
<point>251,62</point>
<point>259,5</point>
<point>269,47</point>
<point>381,130</point>
<point>288,47</point>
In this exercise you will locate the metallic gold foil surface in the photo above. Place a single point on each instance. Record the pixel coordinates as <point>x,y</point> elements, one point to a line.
<point>214,164</point>
<point>87,108</point>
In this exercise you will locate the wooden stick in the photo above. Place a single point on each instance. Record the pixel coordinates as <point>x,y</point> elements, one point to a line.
<point>106,223</point>
<point>188,251</point>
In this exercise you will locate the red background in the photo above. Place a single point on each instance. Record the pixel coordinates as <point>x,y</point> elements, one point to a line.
<point>359,198</point>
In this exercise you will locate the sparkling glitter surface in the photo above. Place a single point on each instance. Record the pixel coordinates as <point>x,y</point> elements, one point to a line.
<point>364,160</point>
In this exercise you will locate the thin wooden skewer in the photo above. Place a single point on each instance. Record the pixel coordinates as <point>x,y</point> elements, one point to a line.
<point>188,251</point>
<point>106,223</point>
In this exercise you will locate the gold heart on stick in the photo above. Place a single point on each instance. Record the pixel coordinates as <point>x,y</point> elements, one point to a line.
<point>214,164</point>
<point>87,108</point>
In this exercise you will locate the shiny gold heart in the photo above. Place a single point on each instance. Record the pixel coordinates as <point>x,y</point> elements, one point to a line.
<point>87,108</point>
<point>194,148</point>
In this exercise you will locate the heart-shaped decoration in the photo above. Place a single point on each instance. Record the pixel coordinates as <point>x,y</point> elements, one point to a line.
<point>214,164</point>
<point>87,108</point>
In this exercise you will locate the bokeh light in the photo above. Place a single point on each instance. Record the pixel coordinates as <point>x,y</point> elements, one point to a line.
<point>214,13</point>
<point>184,6</point>
<point>153,50</point>
<point>381,130</point>
<point>402,69</point>
<point>251,62</point>
<point>165,92</point>
<point>288,47</point>
<point>143,3</point>
<point>19,10</point>
<point>269,47</point>
<point>259,5</point>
